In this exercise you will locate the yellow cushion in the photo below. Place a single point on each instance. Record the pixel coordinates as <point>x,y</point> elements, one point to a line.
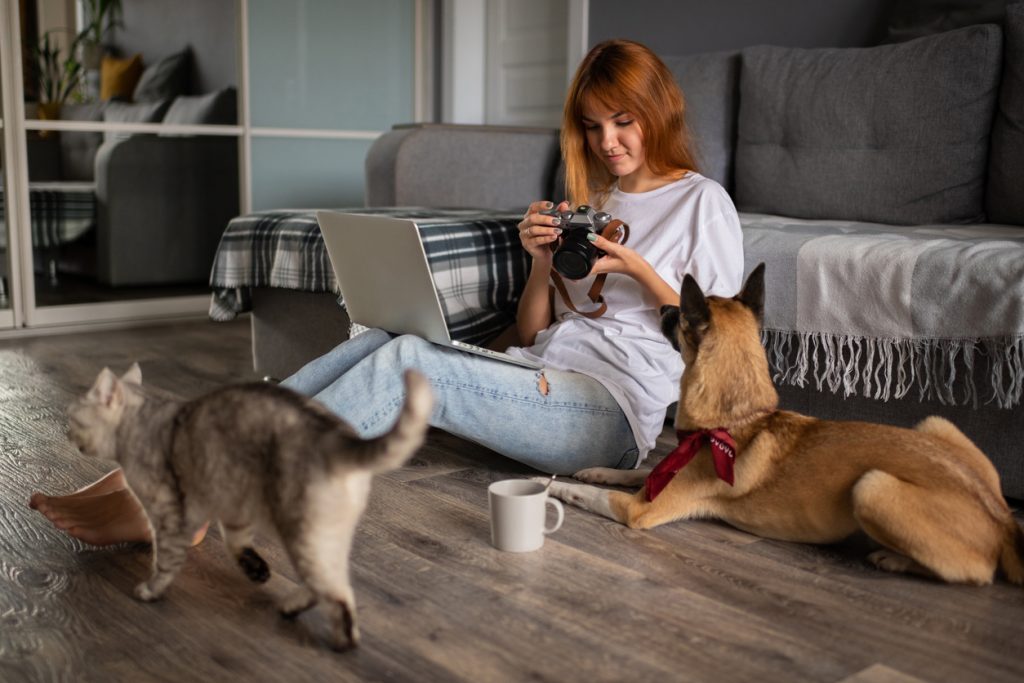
<point>119,76</point>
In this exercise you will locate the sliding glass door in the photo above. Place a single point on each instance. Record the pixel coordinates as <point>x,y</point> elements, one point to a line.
<point>141,127</point>
<point>131,138</point>
<point>6,312</point>
<point>326,77</point>
<point>9,303</point>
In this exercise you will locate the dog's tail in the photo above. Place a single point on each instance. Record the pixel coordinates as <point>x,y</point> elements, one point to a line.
<point>390,451</point>
<point>1011,557</point>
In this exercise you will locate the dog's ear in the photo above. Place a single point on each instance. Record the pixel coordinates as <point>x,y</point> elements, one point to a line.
<point>752,295</point>
<point>670,324</point>
<point>696,315</point>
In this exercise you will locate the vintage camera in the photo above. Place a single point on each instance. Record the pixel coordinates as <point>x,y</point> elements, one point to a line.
<point>575,256</point>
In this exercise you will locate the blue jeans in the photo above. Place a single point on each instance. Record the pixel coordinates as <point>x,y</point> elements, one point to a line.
<point>577,424</point>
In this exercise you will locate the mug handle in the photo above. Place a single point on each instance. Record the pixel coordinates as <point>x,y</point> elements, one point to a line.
<point>561,515</point>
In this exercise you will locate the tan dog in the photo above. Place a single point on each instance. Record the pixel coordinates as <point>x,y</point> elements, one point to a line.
<point>927,494</point>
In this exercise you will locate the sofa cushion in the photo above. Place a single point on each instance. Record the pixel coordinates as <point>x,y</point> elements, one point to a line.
<point>1004,201</point>
<point>119,76</point>
<point>909,19</point>
<point>78,150</point>
<point>139,112</point>
<point>213,108</point>
<point>166,79</point>
<point>710,84</point>
<point>890,134</point>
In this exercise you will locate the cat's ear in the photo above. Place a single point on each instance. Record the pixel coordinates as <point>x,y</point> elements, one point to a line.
<point>107,390</point>
<point>134,374</point>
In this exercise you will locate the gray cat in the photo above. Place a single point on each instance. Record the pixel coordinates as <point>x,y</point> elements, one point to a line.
<point>250,456</point>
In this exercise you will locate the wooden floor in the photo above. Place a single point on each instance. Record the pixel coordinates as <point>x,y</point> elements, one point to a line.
<point>694,601</point>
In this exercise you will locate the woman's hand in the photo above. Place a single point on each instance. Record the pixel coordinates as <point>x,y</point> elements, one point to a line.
<point>621,259</point>
<point>537,231</point>
<point>617,258</point>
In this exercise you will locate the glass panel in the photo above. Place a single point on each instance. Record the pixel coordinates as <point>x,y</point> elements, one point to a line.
<point>94,51</point>
<point>5,221</point>
<point>330,64</point>
<point>147,225</point>
<point>299,173</point>
<point>119,216</point>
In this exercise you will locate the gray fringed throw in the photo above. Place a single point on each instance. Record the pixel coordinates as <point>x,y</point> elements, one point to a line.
<point>891,311</point>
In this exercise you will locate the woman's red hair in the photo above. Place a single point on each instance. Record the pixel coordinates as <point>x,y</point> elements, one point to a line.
<point>624,76</point>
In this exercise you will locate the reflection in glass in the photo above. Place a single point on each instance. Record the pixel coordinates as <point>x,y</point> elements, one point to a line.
<point>146,225</point>
<point>124,216</point>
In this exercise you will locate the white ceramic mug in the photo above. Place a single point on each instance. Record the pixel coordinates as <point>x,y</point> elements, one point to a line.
<point>518,511</point>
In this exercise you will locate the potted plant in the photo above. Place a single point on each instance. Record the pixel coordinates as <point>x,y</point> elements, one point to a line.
<point>57,77</point>
<point>101,16</point>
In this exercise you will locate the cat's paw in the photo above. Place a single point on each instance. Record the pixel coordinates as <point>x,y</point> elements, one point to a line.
<point>254,566</point>
<point>343,642</point>
<point>296,602</point>
<point>146,592</point>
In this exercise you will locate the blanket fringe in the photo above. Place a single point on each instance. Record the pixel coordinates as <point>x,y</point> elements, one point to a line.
<point>943,370</point>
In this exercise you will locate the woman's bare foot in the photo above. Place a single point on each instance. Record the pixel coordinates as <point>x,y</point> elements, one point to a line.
<point>110,482</point>
<point>101,513</point>
<point>104,519</point>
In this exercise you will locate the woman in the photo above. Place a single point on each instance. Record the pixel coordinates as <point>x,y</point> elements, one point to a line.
<point>602,397</point>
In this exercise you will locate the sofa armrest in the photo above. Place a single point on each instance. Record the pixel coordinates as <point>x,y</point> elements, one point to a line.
<point>463,166</point>
<point>162,204</point>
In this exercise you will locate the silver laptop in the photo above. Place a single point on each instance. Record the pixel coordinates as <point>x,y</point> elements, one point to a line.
<point>385,281</point>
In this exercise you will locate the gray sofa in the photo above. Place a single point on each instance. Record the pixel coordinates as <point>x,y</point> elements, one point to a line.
<point>161,201</point>
<point>880,185</point>
<point>161,205</point>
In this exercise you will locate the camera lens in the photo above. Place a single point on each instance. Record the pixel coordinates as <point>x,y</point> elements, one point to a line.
<point>574,260</point>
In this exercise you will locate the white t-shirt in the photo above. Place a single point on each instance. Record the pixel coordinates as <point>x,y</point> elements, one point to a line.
<point>688,226</point>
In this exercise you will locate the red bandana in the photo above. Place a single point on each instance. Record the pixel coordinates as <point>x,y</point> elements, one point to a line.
<point>723,448</point>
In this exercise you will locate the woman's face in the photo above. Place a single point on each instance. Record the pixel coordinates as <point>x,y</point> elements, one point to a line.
<point>614,137</point>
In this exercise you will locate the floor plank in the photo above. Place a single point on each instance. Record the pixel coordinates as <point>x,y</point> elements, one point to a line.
<point>694,601</point>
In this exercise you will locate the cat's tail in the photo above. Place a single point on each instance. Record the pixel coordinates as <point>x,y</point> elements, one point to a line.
<point>390,451</point>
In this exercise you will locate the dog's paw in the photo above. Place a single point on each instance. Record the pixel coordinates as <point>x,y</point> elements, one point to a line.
<point>890,561</point>
<point>572,494</point>
<point>598,475</point>
<point>146,592</point>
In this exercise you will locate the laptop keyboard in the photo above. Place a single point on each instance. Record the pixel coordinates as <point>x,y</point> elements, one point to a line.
<point>479,349</point>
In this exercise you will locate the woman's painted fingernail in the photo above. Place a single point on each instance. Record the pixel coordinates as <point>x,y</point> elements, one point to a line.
<point>548,205</point>
<point>556,221</point>
<point>592,236</point>
<point>558,231</point>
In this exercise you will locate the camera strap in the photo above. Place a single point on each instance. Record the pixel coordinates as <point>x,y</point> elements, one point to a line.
<point>595,289</point>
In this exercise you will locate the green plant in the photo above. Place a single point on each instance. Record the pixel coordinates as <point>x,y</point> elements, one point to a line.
<point>57,78</point>
<point>101,16</point>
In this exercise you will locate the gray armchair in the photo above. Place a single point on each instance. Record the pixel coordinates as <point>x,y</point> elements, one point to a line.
<point>162,204</point>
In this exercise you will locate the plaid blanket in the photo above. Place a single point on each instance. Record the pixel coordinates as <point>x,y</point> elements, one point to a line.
<point>61,212</point>
<point>476,259</point>
<point>885,311</point>
<point>878,310</point>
